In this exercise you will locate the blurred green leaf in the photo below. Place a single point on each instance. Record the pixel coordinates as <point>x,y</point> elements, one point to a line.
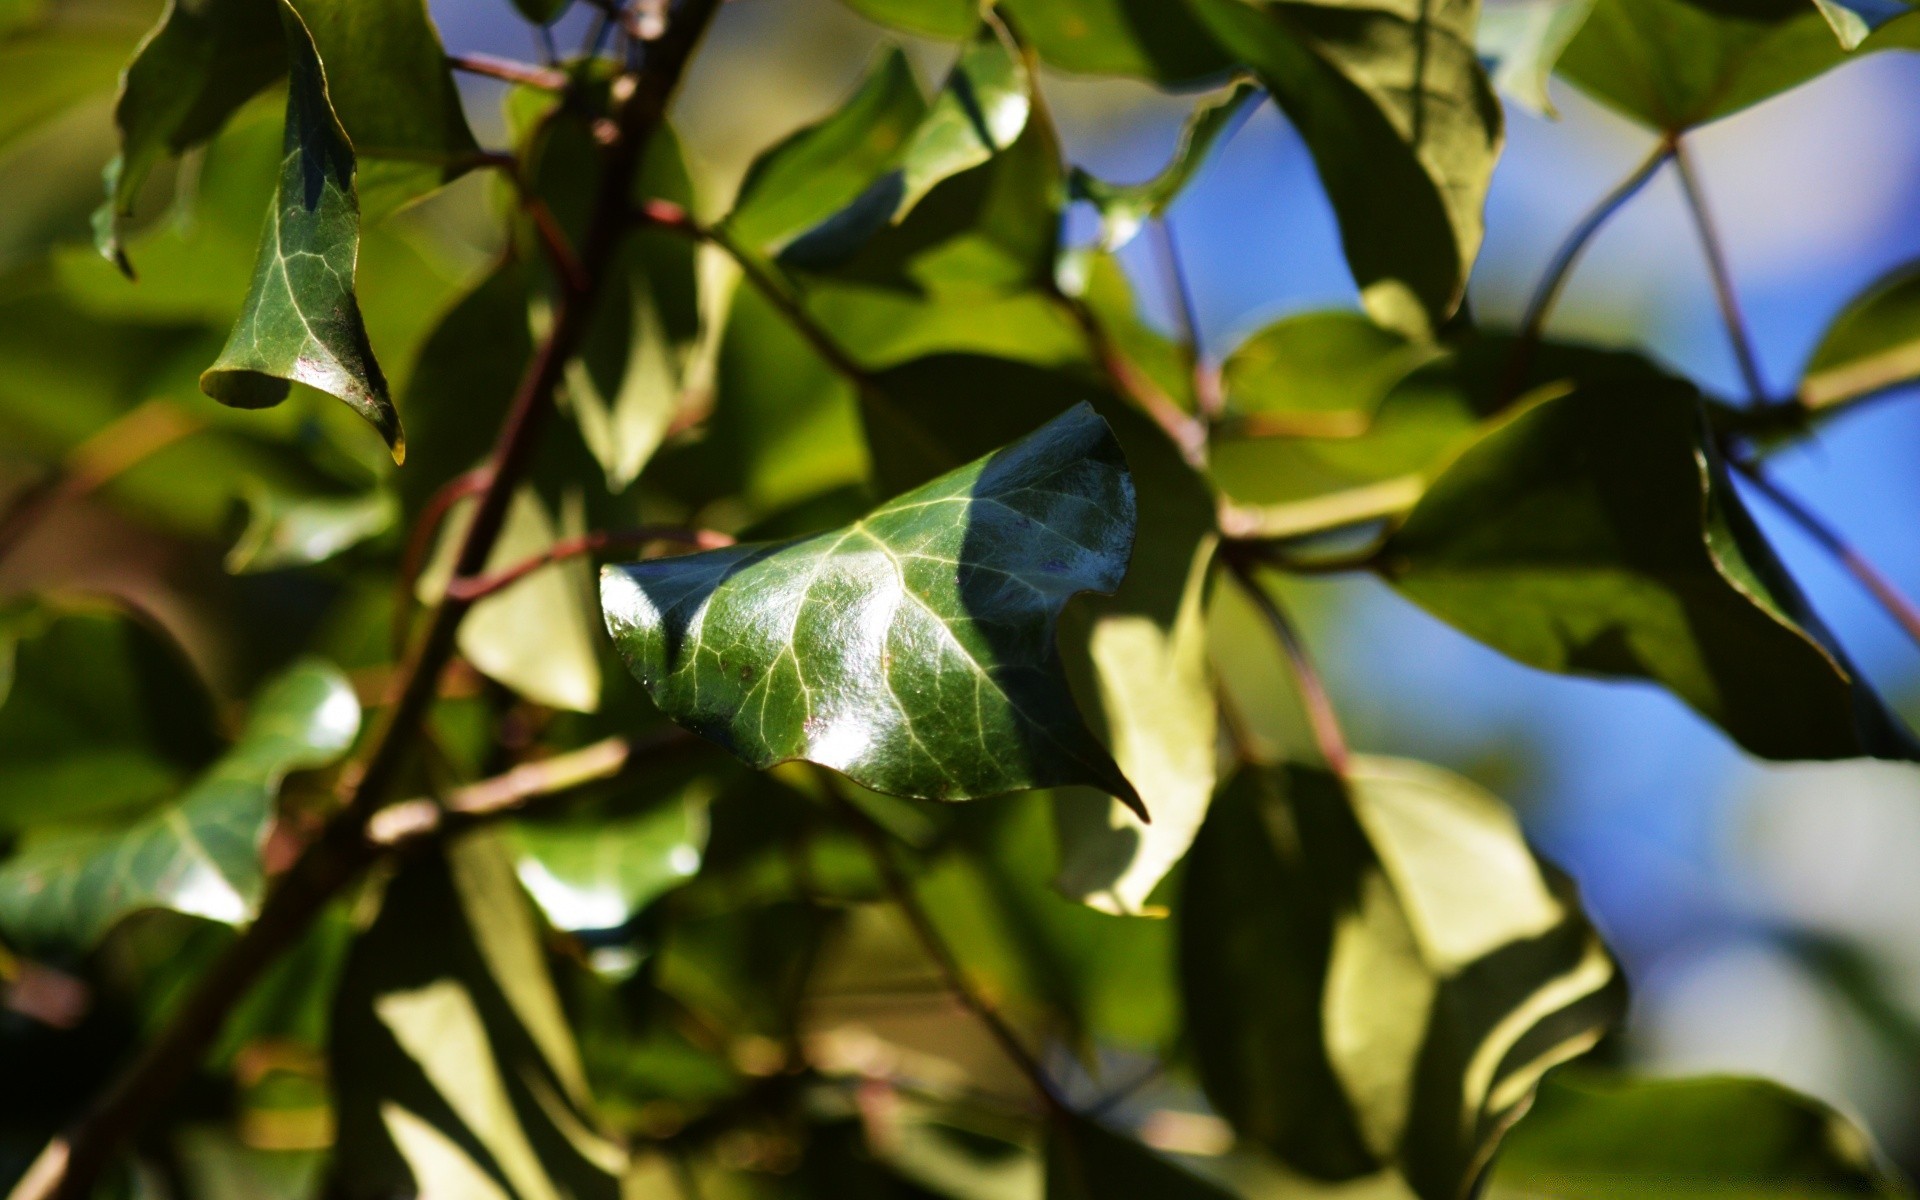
<point>1404,128</point>
<point>285,531</point>
<point>1873,344</point>
<point>931,669</point>
<point>1592,1136</point>
<point>1377,971</point>
<point>596,874</point>
<point>301,322</point>
<point>1124,207</point>
<point>980,110</point>
<point>949,19</point>
<point>819,170</point>
<point>1147,39</point>
<point>55,59</point>
<point>198,855</point>
<point>454,1070</point>
<point>1674,64</point>
<point>1522,40</point>
<point>104,715</point>
<point>1595,533</point>
<point>1853,20</point>
<point>1087,1162</point>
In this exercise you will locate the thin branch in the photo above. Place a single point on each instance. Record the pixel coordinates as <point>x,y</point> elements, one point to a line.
<point>1187,432</point>
<point>68,1167</point>
<point>1723,292</point>
<point>476,588</point>
<point>1560,266</point>
<point>413,559</point>
<point>115,448</point>
<point>900,890</point>
<point>547,79</point>
<point>1206,377</point>
<point>1897,604</point>
<point>546,226</point>
<point>1313,690</point>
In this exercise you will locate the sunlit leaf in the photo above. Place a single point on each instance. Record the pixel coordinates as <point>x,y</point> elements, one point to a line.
<point>1673,64</point>
<point>199,854</point>
<point>817,171</point>
<point>1377,973</point>
<point>1143,38</point>
<point>1523,41</point>
<point>1873,344</point>
<point>284,531</point>
<point>1404,128</point>
<point>454,1070</point>
<point>597,874</point>
<point>1124,207</point>
<point>980,110</point>
<point>301,323</point>
<point>1600,1137</point>
<point>912,650</point>
<point>1596,534</point>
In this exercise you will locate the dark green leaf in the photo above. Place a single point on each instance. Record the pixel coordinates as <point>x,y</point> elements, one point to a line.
<point>819,170</point>
<point>1600,1137</point>
<point>1149,39</point>
<point>287,531</point>
<point>1376,974</point>
<point>1086,1162</point>
<point>1595,533</point>
<point>454,1071</point>
<point>1124,207</point>
<point>542,12</point>
<point>301,322</point>
<point>912,650</point>
<point>1675,64</point>
<point>1404,128</point>
<point>1522,41</point>
<point>199,854</point>
<point>1873,344</point>
<point>104,715</point>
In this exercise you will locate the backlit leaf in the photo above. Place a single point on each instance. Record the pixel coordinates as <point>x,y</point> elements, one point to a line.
<point>912,650</point>
<point>1147,39</point>
<point>1596,534</point>
<point>1377,973</point>
<point>1404,128</point>
<point>301,323</point>
<point>1873,344</point>
<point>979,112</point>
<point>199,854</point>
<point>1124,207</point>
<point>1522,40</point>
<point>950,19</point>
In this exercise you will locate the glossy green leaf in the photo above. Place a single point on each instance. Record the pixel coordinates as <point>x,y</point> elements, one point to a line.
<point>913,650</point>
<point>1522,40</point>
<point>1124,207</point>
<point>103,715</point>
<point>198,65</point>
<point>1873,344</point>
<point>1377,974</point>
<point>454,1071</point>
<point>1087,1162</point>
<point>537,635</point>
<point>1599,1137</point>
<point>597,874</point>
<point>1146,39</point>
<point>284,531</point>
<point>1595,534</point>
<point>981,109</point>
<point>302,323</point>
<point>1674,64</point>
<point>1404,128</point>
<point>819,170</point>
<point>949,19</point>
<point>201,853</point>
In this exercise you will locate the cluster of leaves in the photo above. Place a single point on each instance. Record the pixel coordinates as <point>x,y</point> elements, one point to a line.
<point>967,524</point>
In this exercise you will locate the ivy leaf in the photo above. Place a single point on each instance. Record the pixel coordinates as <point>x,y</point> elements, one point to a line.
<point>1602,1136</point>
<point>454,1070</point>
<point>588,875</point>
<point>1124,207</point>
<point>948,19</point>
<point>1403,126</point>
<point>1522,41</point>
<point>301,322</point>
<point>287,531</point>
<point>1673,65</point>
<point>1377,972</point>
<point>1088,1162</point>
<point>199,854</point>
<point>80,734</point>
<point>1597,534</point>
<point>981,109</point>
<point>1140,38</point>
<point>1872,345</point>
<point>913,650</point>
<point>817,171</point>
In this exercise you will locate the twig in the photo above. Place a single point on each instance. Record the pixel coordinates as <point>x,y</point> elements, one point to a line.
<point>120,445</point>
<point>476,588</point>
<point>547,79</point>
<point>1206,378</point>
<point>1187,432</point>
<point>69,1165</point>
<point>1897,604</point>
<point>1560,266</point>
<point>546,226</point>
<point>1723,292</point>
<point>900,890</point>
<point>1313,690</point>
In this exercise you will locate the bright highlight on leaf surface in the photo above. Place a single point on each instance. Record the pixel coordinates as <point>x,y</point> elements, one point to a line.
<point>912,650</point>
